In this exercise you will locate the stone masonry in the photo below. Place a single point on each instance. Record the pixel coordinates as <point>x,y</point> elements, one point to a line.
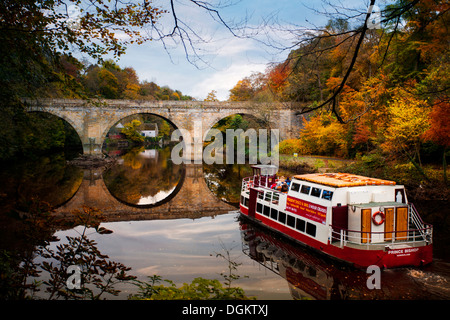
<point>92,119</point>
<point>191,199</point>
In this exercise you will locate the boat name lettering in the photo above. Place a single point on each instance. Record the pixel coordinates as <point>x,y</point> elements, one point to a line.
<point>403,251</point>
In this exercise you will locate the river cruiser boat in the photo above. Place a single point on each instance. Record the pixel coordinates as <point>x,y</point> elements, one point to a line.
<point>359,220</point>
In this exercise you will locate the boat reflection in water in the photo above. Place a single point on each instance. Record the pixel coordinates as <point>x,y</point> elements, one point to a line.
<point>310,276</point>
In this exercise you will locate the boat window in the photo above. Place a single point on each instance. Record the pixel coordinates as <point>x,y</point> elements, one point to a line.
<point>295,187</point>
<point>291,221</point>
<point>246,202</point>
<point>274,213</point>
<point>282,217</point>
<point>311,229</point>
<point>305,189</point>
<point>266,211</point>
<point>259,208</point>
<point>316,192</point>
<point>300,225</point>
<point>261,195</point>
<point>268,196</point>
<point>327,195</point>
<point>275,198</point>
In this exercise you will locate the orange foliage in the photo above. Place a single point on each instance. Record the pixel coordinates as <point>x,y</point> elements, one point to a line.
<point>278,77</point>
<point>439,131</point>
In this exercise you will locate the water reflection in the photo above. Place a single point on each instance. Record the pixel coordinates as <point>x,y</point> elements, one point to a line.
<point>311,276</point>
<point>144,177</point>
<point>180,249</point>
<point>224,180</point>
<point>47,178</point>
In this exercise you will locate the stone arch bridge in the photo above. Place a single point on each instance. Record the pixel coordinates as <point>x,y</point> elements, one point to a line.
<point>92,119</point>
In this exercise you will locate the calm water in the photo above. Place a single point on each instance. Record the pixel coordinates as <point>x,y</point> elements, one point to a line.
<point>181,249</point>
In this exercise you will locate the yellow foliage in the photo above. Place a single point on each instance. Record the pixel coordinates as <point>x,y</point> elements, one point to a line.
<point>290,146</point>
<point>324,135</point>
<point>132,91</point>
<point>408,121</point>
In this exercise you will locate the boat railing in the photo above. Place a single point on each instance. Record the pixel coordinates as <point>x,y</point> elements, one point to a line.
<point>417,220</point>
<point>247,183</point>
<point>343,237</point>
<point>251,182</point>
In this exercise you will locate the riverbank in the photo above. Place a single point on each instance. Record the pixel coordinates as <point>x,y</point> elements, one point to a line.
<point>427,186</point>
<point>87,161</point>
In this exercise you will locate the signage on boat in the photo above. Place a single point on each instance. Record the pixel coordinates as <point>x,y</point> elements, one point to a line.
<point>307,209</point>
<point>403,252</point>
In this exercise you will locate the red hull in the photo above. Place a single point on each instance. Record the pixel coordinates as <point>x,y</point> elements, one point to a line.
<point>416,256</point>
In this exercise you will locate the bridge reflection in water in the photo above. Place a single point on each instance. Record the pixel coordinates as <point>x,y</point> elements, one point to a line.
<point>190,199</point>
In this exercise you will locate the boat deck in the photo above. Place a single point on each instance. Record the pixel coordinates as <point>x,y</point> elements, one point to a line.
<point>382,245</point>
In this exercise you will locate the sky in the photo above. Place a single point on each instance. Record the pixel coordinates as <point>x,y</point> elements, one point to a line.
<point>226,58</point>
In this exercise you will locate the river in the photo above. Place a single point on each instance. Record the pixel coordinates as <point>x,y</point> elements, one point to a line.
<point>180,223</point>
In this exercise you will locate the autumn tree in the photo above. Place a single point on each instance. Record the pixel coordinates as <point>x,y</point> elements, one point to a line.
<point>408,122</point>
<point>358,49</point>
<point>439,130</point>
<point>242,91</point>
<point>323,135</point>
<point>130,130</point>
<point>212,96</point>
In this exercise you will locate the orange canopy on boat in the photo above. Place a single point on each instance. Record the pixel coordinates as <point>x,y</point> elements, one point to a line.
<point>342,179</point>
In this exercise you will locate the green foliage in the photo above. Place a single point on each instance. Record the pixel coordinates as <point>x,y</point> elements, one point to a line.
<point>37,39</point>
<point>99,274</point>
<point>110,81</point>
<point>26,134</point>
<point>131,132</point>
<point>164,130</point>
<point>198,289</point>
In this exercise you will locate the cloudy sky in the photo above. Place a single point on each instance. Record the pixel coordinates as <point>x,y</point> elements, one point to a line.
<point>225,59</point>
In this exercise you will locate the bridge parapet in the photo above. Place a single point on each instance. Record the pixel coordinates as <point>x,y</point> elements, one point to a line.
<point>187,104</point>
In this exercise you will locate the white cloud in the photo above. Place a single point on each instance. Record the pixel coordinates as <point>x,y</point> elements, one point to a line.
<point>224,80</point>
<point>228,59</point>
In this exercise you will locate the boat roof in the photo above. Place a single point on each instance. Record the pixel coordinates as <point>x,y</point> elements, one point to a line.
<point>342,179</point>
<point>264,166</point>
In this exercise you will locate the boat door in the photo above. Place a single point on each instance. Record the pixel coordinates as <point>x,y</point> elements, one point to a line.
<point>339,218</point>
<point>366,225</point>
<point>389,223</point>
<point>401,223</point>
<point>252,202</point>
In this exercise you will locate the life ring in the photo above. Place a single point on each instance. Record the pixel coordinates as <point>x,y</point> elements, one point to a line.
<point>374,218</point>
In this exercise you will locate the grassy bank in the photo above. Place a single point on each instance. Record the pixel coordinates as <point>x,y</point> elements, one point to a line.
<point>426,185</point>
<point>310,164</point>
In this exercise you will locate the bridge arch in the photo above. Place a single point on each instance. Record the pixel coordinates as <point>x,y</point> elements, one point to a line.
<point>167,199</point>
<point>211,121</point>
<point>65,118</point>
<point>115,120</point>
<point>214,120</point>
